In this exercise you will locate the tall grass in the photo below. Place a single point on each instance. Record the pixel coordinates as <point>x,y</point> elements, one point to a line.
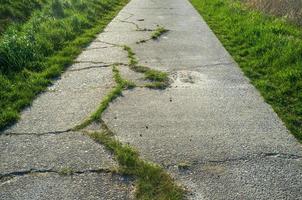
<point>17,11</point>
<point>267,49</point>
<point>38,50</point>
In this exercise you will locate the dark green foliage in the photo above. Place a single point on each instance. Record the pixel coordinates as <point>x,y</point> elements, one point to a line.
<point>268,50</point>
<point>17,11</point>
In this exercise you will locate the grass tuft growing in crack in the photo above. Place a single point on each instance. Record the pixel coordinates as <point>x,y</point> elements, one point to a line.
<point>159,80</point>
<point>154,75</point>
<point>152,181</point>
<point>113,94</point>
<point>159,31</point>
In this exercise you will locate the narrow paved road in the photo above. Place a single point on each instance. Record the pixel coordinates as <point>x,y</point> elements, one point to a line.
<point>210,129</point>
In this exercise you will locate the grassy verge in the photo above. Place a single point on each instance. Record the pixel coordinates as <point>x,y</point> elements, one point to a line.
<point>152,182</point>
<point>268,50</point>
<point>39,50</point>
<point>17,11</point>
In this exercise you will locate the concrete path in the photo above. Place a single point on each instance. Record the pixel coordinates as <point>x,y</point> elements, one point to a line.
<point>210,129</point>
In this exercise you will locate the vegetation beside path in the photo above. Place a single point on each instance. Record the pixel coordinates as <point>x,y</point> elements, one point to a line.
<point>17,11</point>
<point>268,50</point>
<point>34,52</point>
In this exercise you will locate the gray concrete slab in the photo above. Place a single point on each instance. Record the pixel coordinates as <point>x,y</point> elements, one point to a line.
<point>211,114</point>
<point>67,103</point>
<point>51,186</point>
<point>250,179</point>
<point>74,151</point>
<point>104,55</point>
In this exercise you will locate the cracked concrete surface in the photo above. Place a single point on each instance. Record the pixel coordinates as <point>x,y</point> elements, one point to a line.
<point>51,186</point>
<point>211,118</point>
<point>52,152</point>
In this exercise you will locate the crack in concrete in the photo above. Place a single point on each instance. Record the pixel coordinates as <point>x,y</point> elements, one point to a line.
<point>94,48</point>
<point>138,28</point>
<point>36,134</point>
<point>89,62</point>
<point>104,42</point>
<point>9,176</point>
<point>98,66</point>
<point>130,15</point>
<point>243,159</point>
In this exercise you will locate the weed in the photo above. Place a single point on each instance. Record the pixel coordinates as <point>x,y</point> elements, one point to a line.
<point>159,79</point>
<point>113,94</point>
<point>158,32</point>
<point>154,75</point>
<point>152,181</point>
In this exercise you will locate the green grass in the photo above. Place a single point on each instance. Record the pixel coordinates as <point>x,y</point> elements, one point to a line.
<point>121,85</point>
<point>152,182</point>
<point>34,53</point>
<point>268,50</point>
<point>159,80</point>
<point>158,32</point>
<point>17,11</point>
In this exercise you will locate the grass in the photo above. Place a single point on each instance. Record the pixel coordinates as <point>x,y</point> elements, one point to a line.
<point>159,80</point>
<point>268,50</point>
<point>34,53</point>
<point>158,32</point>
<point>121,85</point>
<point>152,182</point>
<point>17,11</point>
